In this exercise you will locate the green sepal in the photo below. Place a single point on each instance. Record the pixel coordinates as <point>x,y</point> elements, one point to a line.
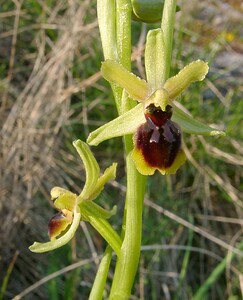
<point>91,168</point>
<point>195,71</point>
<point>122,125</point>
<point>54,244</point>
<point>137,88</point>
<point>154,58</point>
<point>189,125</point>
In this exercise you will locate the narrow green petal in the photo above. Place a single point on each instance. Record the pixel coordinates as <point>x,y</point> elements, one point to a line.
<point>195,71</point>
<point>44,247</point>
<point>123,125</point>
<point>154,58</point>
<point>110,173</point>
<point>190,125</point>
<point>91,167</point>
<point>114,72</point>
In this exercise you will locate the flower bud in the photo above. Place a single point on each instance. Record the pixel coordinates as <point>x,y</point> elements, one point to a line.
<point>148,11</point>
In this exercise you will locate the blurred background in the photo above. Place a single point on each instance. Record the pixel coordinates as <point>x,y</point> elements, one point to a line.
<point>52,93</point>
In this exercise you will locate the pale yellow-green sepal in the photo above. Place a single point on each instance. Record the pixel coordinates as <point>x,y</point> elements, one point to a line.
<point>190,125</point>
<point>154,57</point>
<point>137,88</point>
<point>54,244</point>
<point>122,125</point>
<point>91,167</point>
<point>195,71</point>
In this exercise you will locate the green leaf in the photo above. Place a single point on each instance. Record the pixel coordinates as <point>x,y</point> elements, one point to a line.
<point>106,13</point>
<point>114,72</point>
<point>122,125</point>
<point>195,71</point>
<point>91,167</point>
<point>154,58</point>
<point>48,246</point>
<point>190,125</point>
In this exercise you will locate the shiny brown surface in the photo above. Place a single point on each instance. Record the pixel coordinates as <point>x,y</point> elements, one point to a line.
<point>159,139</point>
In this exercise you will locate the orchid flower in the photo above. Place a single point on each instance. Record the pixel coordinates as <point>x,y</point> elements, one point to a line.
<point>73,208</point>
<point>156,122</point>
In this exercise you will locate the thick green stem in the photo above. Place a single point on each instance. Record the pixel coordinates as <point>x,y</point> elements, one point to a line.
<point>128,259</point>
<point>127,263</point>
<point>167,25</point>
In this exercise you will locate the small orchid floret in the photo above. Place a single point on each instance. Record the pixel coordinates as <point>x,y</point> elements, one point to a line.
<point>72,207</point>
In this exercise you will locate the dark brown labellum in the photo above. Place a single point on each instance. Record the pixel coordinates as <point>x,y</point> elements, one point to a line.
<point>159,139</point>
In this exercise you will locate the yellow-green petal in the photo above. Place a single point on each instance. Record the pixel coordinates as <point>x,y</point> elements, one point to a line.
<point>195,71</point>
<point>154,58</point>
<point>122,125</point>
<point>44,247</point>
<point>137,88</point>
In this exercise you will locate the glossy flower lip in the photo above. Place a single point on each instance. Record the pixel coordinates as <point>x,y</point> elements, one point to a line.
<point>158,143</point>
<point>63,225</point>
